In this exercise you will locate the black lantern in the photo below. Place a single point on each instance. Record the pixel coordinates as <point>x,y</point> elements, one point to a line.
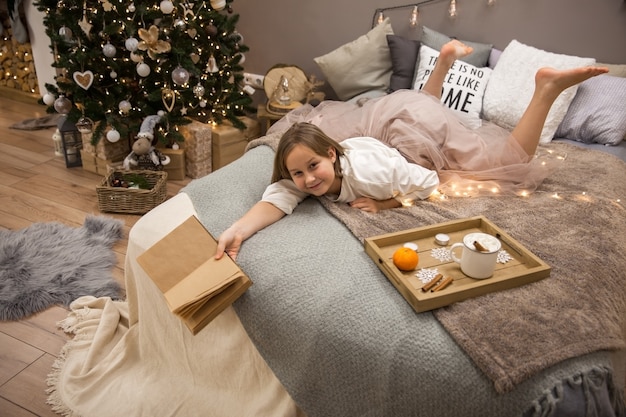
<point>72,142</point>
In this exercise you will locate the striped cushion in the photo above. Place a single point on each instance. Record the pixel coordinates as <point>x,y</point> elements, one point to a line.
<point>597,112</point>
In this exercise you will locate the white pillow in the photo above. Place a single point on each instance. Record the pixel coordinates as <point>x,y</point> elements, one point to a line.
<point>513,81</point>
<point>463,88</point>
<point>361,65</point>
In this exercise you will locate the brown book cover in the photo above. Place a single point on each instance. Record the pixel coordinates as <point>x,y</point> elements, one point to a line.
<point>196,286</point>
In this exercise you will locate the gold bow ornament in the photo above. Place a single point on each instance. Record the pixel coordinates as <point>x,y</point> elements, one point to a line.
<point>150,42</point>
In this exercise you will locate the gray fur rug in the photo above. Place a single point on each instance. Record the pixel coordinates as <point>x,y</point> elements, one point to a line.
<point>51,263</point>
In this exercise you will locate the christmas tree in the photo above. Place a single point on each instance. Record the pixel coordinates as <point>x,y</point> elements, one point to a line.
<point>119,62</point>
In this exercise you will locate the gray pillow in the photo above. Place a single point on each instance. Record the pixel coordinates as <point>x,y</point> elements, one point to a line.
<point>596,114</point>
<point>404,53</point>
<point>436,40</point>
<point>360,65</point>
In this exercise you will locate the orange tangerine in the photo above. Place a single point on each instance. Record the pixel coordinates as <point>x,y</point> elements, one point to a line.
<point>405,259</point>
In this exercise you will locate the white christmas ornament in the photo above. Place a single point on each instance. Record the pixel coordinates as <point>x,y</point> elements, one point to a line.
<point>131,44</point>
<point>109,50</point>
<point>132,8</point>
<point>48,99</point>
<point>124,106</point>
<point>113,135</point>
<point>166,6</point>
<point>218,4</point>
<point>113,74</point>
<point>143,70</point>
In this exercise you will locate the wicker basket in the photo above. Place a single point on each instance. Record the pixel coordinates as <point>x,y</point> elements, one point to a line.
<point>132,200</point>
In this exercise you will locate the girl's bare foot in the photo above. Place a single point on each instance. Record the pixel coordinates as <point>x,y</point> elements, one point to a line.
<point>552,81</point>
<point>454,50</point>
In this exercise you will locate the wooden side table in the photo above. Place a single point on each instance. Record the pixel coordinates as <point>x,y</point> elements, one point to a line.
<point>265,118</point>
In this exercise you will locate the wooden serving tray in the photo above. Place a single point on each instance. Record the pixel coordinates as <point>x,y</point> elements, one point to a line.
<point>525,267</point>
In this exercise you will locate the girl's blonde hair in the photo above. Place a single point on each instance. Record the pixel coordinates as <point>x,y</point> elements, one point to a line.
<point>308,135</point>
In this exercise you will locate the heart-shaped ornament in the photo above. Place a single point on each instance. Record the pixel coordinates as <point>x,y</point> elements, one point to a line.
<point>83,79</point>
<point>192,32</point>
<point>195,58</point>
<point>169,98</point>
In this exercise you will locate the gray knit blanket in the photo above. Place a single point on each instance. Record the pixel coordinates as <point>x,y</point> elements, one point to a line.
<point>344,342</point>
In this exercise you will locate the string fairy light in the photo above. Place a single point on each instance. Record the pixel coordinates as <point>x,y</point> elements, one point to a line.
<point>379,14</point>
<point>455,190</point>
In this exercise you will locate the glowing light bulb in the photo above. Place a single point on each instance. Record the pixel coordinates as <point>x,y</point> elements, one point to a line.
<point>381,18</point>
<point>452,9</point>
<point>414,17</point>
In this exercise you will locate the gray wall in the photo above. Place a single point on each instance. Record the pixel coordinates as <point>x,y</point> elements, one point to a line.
<point>296,31</point>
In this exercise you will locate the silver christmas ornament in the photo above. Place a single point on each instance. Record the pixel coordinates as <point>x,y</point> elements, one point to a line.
<point>84,125</point>
<point>198,90</point>
<point>66,33</point>
<point>62,105</point>
<point>180,76</point>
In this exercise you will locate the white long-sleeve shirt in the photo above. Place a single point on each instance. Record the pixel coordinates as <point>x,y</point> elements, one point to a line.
<point>370,169</point>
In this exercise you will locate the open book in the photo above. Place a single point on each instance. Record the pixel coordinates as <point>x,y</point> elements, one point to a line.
<point>196,286</point>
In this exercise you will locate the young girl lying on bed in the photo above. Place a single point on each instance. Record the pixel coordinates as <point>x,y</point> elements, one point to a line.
<point>418,143</point>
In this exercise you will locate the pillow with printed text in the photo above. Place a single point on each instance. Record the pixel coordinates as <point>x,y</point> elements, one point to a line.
<point>463,87</point>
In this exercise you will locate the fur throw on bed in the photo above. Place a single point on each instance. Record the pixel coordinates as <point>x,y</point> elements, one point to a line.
<point>576,224</point>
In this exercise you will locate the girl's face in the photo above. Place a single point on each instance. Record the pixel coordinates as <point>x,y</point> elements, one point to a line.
<point>312,173</point>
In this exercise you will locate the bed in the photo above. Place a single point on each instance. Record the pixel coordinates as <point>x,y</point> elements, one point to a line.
<point>322,331</point>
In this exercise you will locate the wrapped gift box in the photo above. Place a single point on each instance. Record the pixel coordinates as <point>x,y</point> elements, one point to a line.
<point>197,149</point>
<point>229,143</point>
<point>209,148</point>
<point>97,165</point>
<point>105,149</point>
<point>176,168</point>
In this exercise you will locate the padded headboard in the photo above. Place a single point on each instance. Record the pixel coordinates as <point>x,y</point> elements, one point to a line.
<point>295,32</point>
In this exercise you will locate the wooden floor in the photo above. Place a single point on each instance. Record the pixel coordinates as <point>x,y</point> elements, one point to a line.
<point>35,186</point>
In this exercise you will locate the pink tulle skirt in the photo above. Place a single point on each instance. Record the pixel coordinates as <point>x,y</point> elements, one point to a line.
<point>469,162</point>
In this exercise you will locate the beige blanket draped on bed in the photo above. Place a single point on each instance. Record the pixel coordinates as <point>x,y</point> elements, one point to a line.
<point>117,365</point>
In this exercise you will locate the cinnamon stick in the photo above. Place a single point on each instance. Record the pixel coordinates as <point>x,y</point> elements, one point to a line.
<point>432,283</point>
<point>443,284</point>
<point>480,247</point>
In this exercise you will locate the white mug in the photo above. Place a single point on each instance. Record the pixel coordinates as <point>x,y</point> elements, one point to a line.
<point>477,263</point>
